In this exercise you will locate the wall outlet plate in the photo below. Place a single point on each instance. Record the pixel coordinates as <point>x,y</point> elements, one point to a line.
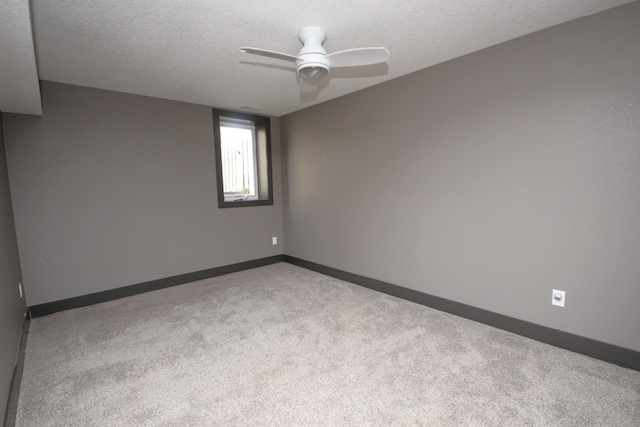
<point>558,297</point>
<point>274,240</point>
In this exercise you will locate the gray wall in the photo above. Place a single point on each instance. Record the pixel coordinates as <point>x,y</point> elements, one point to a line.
<point>12,307</point>
<point>111,189</point>
<point>488,180</point>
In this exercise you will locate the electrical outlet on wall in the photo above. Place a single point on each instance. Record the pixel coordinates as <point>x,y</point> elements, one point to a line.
<point>274,240</point>
<point>20,289</point>
<point>558,297</point>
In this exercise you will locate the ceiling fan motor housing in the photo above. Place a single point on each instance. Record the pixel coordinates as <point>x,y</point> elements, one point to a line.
<point>312,60</point>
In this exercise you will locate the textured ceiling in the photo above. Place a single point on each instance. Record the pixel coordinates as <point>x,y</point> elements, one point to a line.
<point>19,88</point>
<point>187,50</point>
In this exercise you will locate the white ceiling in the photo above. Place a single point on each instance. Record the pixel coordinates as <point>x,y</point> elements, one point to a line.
<point>187,50</point>
<point>19,88</point>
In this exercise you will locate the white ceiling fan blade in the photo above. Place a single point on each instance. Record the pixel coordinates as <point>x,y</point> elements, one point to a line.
<point>269,53</point>
<point>358,57</point>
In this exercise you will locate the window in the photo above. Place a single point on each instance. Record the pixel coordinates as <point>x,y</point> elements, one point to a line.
<point>243,159</point>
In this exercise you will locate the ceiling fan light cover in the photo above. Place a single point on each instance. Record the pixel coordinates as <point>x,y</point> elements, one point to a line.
<point>313,71</point>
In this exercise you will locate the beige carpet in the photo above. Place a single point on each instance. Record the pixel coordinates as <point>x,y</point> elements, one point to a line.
<point>281,345</point>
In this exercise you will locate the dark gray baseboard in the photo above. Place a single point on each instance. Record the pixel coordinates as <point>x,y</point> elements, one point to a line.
<point>126,291</point>
<point>11,408</point>
<point>589,347</point>
<point>599,350</point>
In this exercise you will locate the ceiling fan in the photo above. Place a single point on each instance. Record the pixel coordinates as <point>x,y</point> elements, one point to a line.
<point>314,63</point>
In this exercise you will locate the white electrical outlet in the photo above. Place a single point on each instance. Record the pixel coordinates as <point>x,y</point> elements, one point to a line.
<point>20,289</point>
<point>274,240</point>
<point>558,297</point>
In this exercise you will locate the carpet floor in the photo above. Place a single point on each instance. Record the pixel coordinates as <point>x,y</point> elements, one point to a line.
<point>282,345</point>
